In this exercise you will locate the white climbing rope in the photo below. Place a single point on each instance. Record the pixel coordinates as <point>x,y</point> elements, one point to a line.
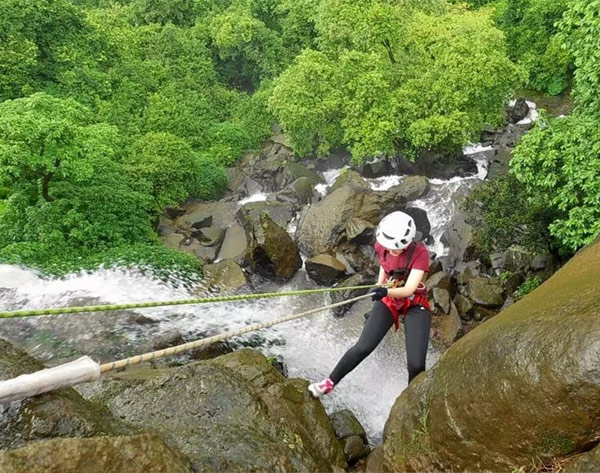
<point>85,369</point>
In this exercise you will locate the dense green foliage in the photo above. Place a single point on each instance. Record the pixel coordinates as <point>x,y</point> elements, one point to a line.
<point>505,213</point>
<point>111,110</point>
<point>560,160</point>
<point>555,169</point>
<point>531,28</point>
<point>531,31</point>
<point>580,35</point>
<point>423,77</point>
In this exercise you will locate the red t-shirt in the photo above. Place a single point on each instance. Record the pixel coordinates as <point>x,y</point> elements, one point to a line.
<point>419,260</point>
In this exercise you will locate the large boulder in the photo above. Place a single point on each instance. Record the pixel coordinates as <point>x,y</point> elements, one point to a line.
<point>197,214</point>
<point>325,269</point>
<point>263,168</point>
<point>584,463</point>
<point>234,244</point>
<point>350,178</point>
<point>411,188</point>
<point>132,454</point>
<point>297,194</point>
<point>485,291</point>
<point>279,213</point>
<point>62,413</point>
<point>521,389</point>
<point>225,275</point>
<point>322,226</point>
<point>421,222</point>
<point>271,251</point>
<point>293,171</point>
<point>235,413</point>
<point>351,434</point>
<point>460,240</point>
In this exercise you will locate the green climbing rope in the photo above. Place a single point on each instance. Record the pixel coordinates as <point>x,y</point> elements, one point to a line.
<point>202,300</point>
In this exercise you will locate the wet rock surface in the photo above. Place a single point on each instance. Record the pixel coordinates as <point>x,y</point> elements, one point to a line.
<point>529,373</point>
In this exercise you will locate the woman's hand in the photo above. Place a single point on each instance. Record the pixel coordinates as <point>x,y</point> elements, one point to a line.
<point>379,293</point>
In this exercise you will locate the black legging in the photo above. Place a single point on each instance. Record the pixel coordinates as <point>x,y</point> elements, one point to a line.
<point>416,332</point>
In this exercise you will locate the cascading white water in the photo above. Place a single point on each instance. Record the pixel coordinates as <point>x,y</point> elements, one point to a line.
<point>310,347</point>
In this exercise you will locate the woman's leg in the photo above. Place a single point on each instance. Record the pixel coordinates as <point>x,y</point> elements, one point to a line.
<point>376,326</point>
<point>416,331</point>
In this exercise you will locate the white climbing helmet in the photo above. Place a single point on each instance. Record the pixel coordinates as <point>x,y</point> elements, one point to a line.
<point>396,231</point>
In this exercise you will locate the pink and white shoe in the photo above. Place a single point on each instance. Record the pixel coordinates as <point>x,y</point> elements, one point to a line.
<point>320,389</point>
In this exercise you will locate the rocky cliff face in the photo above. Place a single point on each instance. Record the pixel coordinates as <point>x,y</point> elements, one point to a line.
<point>520,390</point>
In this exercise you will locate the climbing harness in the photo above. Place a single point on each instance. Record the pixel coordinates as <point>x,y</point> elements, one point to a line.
<point>400,307</point>
<point>85,369</point>
<point>202,300</point>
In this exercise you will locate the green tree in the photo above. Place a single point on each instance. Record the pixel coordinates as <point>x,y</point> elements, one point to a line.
<point>531,27</point>
<point>505,212</point>
<point>43,138</point>
<point>49,44</point>
<point>250,50</point>
<point>177,12</point>
<point>580,35</point>
<point>172,170</point>
<point>559,160</point>
<point>307,101</point>
<point>433,85</point>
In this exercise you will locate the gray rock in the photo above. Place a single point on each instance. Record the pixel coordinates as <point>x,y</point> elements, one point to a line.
<point>298,194</point>
<point>375,460</point>
<point>234,244</point>
<point>519,111</point>
<point>450,326</point>
<point>466,272</point>
<point>441,280</point>
<point>377,168</point>
<point>355,280</point>
<point>355,448</point>
<point>464,306</point>
<point>497,261</point>
<point>345,424</point>
<point>271,251</point>
<point>293,171</point>
<point>441,299</point>
<point>512,283</point>
<point>359,231</point>
<point>246,415</point>
<point>518,259</point>
<point>167,339</point>
<point>173,240</point>
<point>131,454</point>
<point>63,413</point>
<point>210,236</point>
<point>460,241</point>
<point>350,178</point>
<point>277,211</point>
<point>485,291</point>
<point>421,222</point>
<point>203,214</point>
<point>165,227</point>
<point>225,275</point>
<point>322,226</point>
<point>541,262</point>
<point>544,362</point>
<point>325,269</point>
<point>411,188</point>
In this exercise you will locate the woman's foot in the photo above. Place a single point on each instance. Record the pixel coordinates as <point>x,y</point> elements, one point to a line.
<point>321,388</point>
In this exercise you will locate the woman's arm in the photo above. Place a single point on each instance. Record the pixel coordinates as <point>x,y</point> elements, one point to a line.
<point>381,279</point>
<point>414,279</point>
